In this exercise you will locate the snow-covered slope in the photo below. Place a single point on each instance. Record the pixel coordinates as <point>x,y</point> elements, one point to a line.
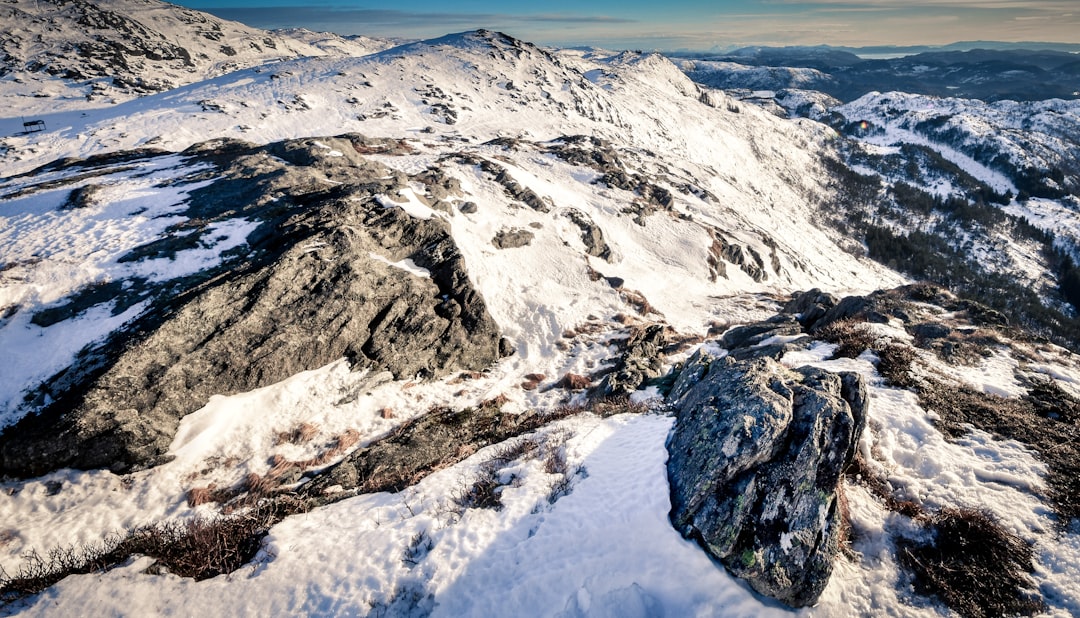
<point>590,197</point>
<point>57,54</point>
<point>730,75</point>
<point>1037,142</point>
<point>735,189</point>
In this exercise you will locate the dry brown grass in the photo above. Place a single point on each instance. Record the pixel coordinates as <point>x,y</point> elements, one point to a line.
<point>895,361</point>
<point>638,301</point>
<point>861,473</point>
<point>852,337</point>
<point>257,487</point>
<point>199,548</point>
<point>485,492</point>
<point>301,434</point>
<point>975,566</point>
<point>1034,421</point>
<point>532,381</point>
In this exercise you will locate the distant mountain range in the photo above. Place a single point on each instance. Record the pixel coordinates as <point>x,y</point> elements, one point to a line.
<point>983,73</point>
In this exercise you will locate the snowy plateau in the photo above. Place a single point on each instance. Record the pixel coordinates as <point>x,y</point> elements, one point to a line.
<point>300,324</point>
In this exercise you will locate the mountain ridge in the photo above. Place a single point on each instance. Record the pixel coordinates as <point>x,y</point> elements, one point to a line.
<point>365,316</point>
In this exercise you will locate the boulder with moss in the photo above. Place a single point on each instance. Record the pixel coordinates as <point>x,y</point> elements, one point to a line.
<point>756,459</point>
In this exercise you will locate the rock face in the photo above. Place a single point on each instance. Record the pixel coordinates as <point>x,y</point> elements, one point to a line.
<point>318,282</point>
<point>755,460</point>
<point>640,361</point>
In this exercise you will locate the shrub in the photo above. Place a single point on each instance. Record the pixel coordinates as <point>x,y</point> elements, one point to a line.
<point>199,548</point>
<point>974,565</point>
<point>894,364</point>
<point>852,337</point>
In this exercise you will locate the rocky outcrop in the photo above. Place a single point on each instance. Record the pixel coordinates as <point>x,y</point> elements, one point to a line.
<point>640,361</point>
<point>745,257</point>
<point>431,442</point>
<point>514,190</point>
<point>591,235</point>
<point>512,238</point>
<point>317,282</point>
<point>756,457</point>
<point>598,154</point>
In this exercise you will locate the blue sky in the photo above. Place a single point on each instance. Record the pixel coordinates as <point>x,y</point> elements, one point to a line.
<point>686,24</point>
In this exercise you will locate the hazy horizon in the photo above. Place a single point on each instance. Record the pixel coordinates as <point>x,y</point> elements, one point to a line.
<point>681,25</point>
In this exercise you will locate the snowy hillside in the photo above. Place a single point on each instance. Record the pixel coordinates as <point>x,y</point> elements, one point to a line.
<point>979,197</point>
<point>58,55</point>
<point>1035,144</point>
<point>414,331</point>
<point>730,75</point>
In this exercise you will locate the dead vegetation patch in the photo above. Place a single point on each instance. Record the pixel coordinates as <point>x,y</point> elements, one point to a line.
<point>532,381</point>
<point>860,472</point>
<point>973,565</point>
<point>895,361</point>
<point>279,479</point>
<point>199,548</point>
<point>638,301</point>
<point>574,382</point>
<point>852,337</point>
<point>968,559</point>
<point>1033,420</point>
<point>301,434</point>
<point>485,491</point>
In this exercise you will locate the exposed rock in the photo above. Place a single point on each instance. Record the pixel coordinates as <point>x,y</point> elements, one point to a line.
<point>513,189</point>
<point>717,266</point>
<point>598,154</point>
<point>755,460</point>
<point>433,441</point>
<point>638,363</point>
<point>931,330</point>
<point>810,306</point>
<point>512,239</point>
<point>591,235</point>
<point>750,335</point>
<point>852,307</point>
<point>745,257</point>
<point>306,293</point>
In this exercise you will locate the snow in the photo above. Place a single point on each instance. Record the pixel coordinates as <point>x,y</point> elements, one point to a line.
<point>976,471</point>
<point>409,203</point>
<point>407,265</point>
<point>50,252</point>
<point>607,547</point>
<point>604,549</point>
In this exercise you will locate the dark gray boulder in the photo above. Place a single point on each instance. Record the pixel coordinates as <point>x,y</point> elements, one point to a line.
<point>640,361</point>
<point>749,335</point>
<point>756,457</point>
<point>810,306</point>
<point>512,238</point>
<point>591,235</point>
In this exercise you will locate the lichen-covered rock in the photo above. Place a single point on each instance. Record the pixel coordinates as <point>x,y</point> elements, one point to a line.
<point>755,460</point>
